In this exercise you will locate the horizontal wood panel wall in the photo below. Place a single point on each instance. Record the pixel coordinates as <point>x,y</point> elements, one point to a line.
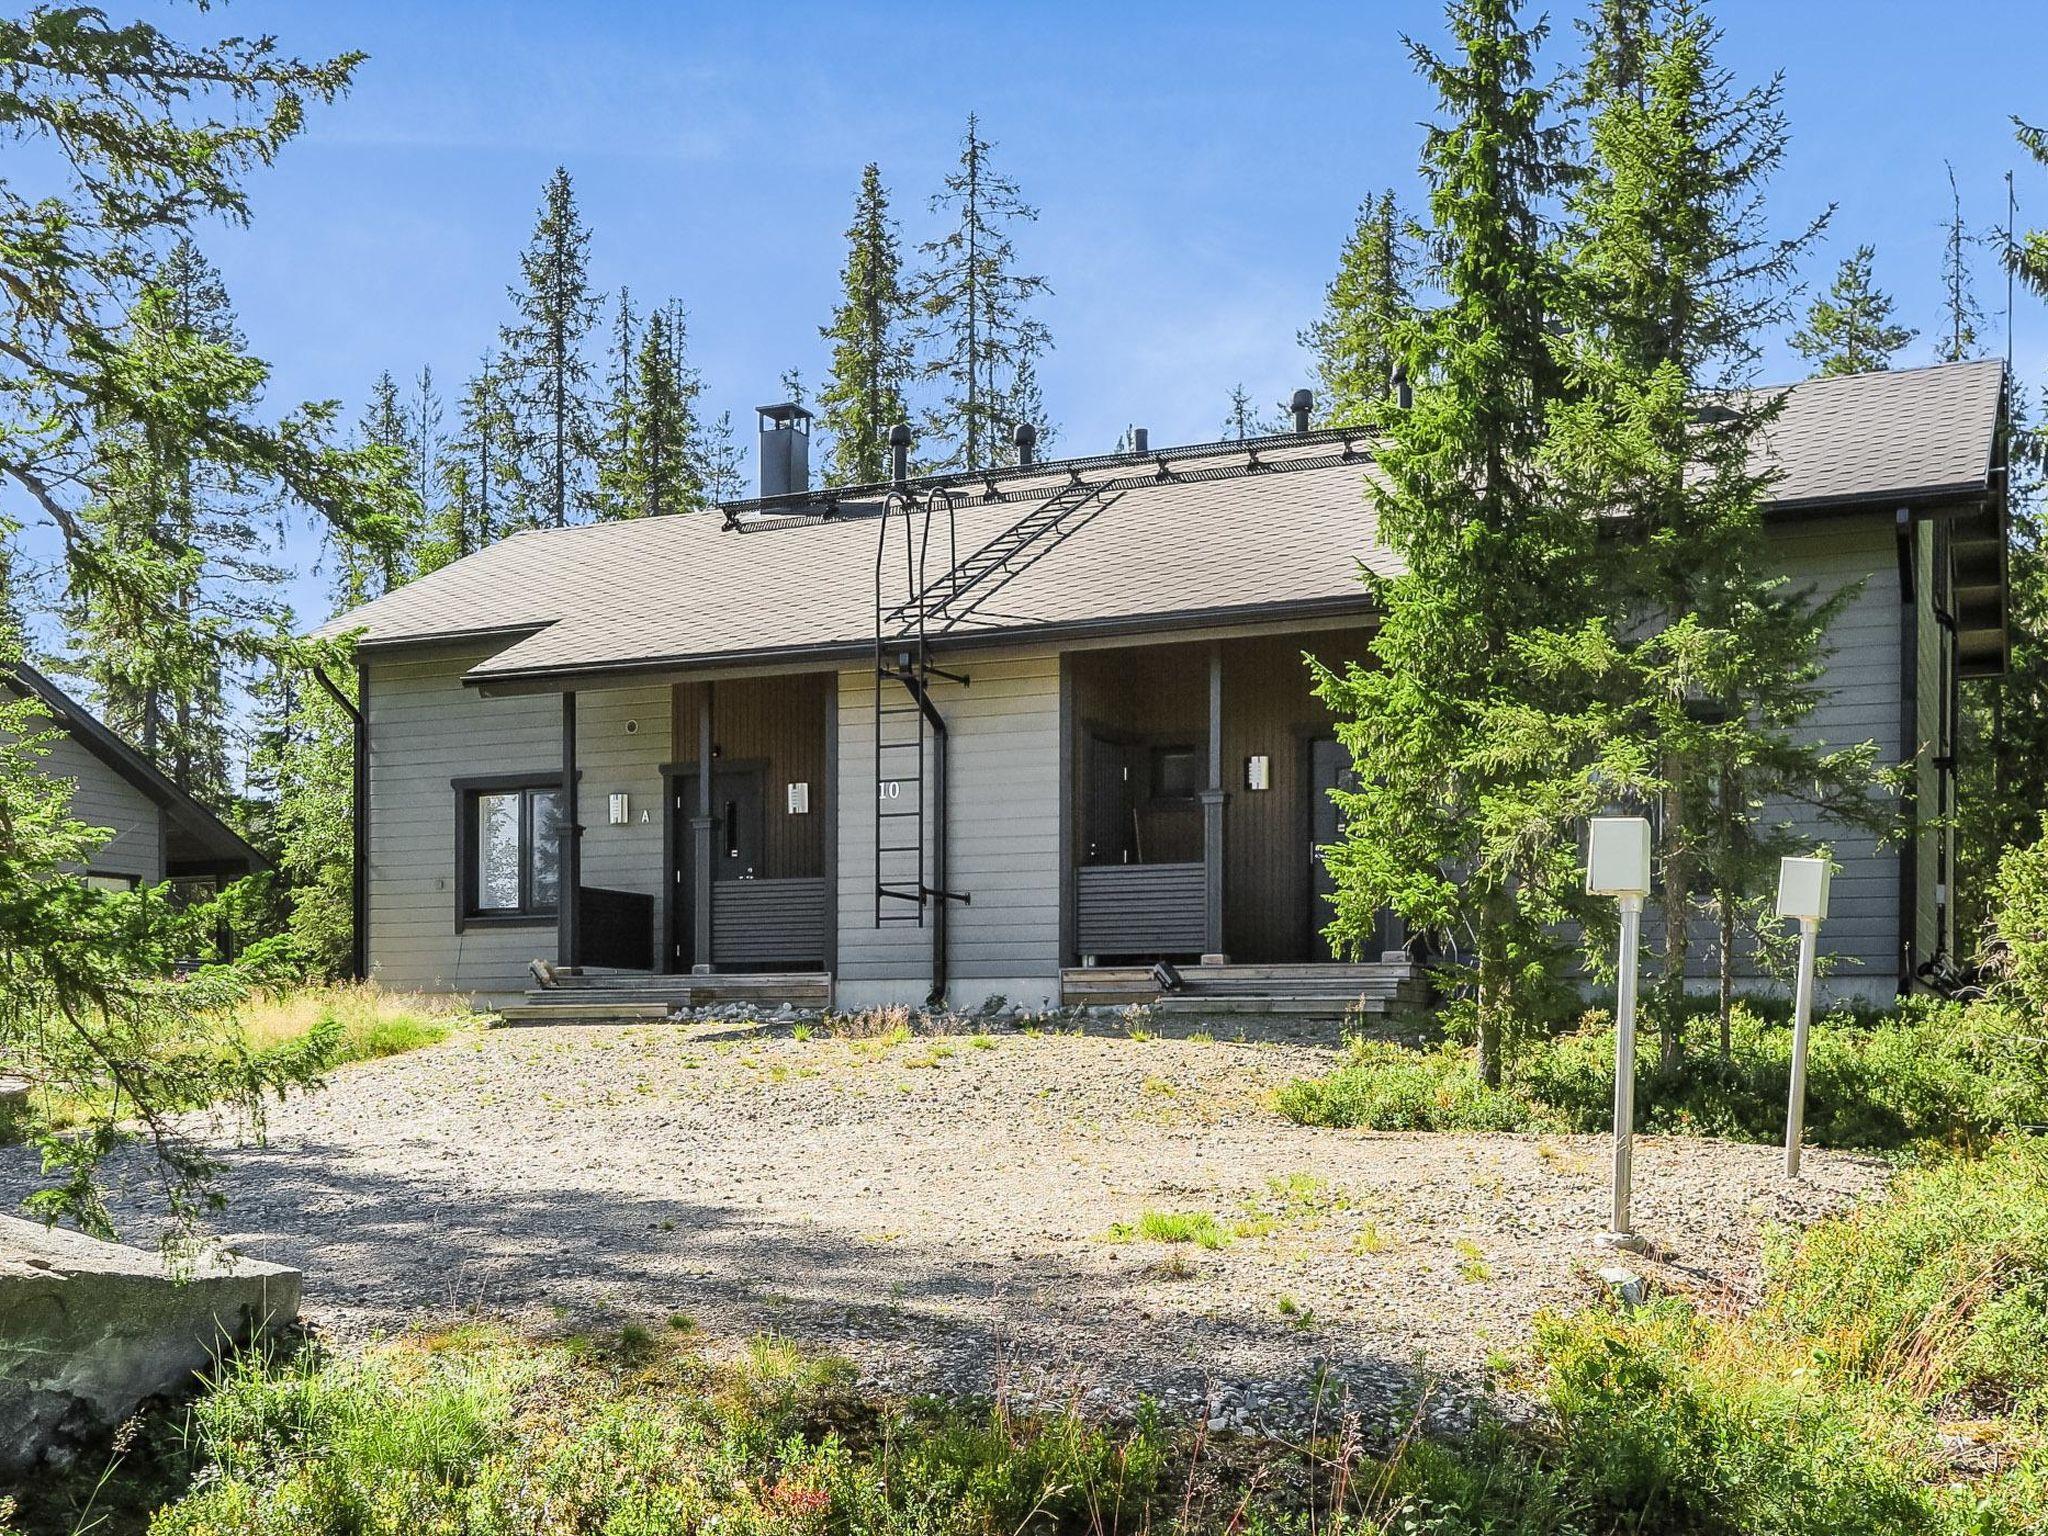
<point>102,798</point>
<point>1004,826</point>
<point>779,722</point>
<point>768,922</point>
<point>1127,909</point>
<point>427,730</point>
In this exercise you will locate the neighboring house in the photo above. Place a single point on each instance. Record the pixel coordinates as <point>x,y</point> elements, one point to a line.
<point>156,832</point>
<point>1036,728</point>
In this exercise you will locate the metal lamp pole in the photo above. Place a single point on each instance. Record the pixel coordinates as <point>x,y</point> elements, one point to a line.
<point>1802,895</point>
<point>1618,865</point>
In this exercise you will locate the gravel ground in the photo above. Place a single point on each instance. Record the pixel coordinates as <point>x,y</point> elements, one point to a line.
<point>943,1210</point>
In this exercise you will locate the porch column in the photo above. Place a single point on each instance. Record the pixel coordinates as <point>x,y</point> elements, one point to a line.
<point>1213,800</point>
<point>569,860</point>
<point>700,845</point>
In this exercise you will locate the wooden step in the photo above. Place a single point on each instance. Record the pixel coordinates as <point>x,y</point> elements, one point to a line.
<point>581,1013</point>
<point>1300,1007</point>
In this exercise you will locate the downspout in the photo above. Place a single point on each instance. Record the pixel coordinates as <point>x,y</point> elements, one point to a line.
<point>1909,741</point>
<point>359,809</point>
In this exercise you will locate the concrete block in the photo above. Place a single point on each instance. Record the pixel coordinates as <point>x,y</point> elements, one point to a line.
<point>89,1330</point>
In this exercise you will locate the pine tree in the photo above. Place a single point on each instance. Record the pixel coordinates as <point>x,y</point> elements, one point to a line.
<point>161,667</point>
<point>1850,329</point>
<point>657,471</point>
<point>1364,307</point>
<point>865,394</point>
<point>1958,340</point>
<point>1475,734</point>
<point>1243,420</point>
<point>544,359</point>
<point>720,461</point>
<point>984,341</point>
<point>476,468</point>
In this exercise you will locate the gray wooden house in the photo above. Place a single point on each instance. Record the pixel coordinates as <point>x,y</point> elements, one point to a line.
<point>1028,732</point>
<point>155,831</point>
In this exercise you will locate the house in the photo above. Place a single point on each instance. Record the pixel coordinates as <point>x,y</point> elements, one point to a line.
<point>1027,732</point>
<point>156,832</point>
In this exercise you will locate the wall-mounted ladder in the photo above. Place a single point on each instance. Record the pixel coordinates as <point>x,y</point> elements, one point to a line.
<point>910,736</point>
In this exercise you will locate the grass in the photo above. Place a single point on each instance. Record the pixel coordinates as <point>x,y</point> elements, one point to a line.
<point>1923,1072</point>
<point>1893,1378</point>
<point>338,1024</point>
<point>1197,1227</point>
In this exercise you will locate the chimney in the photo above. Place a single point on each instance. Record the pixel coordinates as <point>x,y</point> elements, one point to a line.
<point>1303,406</point>
<point>1403,395</point>
<point>899,455</point>
<point>1025,440</point>
<point>785,449</point>
<point>1141,440</point>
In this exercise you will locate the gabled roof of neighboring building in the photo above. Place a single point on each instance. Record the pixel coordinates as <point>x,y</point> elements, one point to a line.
<point>205,835</point>
<point>1214,533</point>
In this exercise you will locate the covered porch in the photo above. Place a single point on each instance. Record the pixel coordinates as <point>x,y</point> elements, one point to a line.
<point>1198,800</point>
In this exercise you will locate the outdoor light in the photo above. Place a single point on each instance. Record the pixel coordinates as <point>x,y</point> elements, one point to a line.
<point>1803,897</point>
<point>1258,772</point>
<point>799,799</point>
<point>621,809</point>
<point>1618,865</point>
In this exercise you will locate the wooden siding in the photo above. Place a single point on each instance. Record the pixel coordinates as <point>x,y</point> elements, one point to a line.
<point>1139,909</point>
<point>768,922</point>
<point>1004,829</point>
<point>102,798</point>
<point>427,730</point>
<point>778,722</point>
<point>614,760</point>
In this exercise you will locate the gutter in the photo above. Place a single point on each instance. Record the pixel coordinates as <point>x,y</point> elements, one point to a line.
<point>359,815</point>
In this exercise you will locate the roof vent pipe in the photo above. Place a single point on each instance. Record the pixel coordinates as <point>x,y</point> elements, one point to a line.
<point>899,455</point>
<point>1141,440</point>
<point>1025,440</point>
<point>1403,395</point>
<point>1303,406</point>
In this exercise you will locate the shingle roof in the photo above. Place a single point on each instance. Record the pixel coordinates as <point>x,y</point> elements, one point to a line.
<point>1210,540</point>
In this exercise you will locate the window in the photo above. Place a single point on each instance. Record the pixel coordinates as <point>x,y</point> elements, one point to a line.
<point>511,851</point>
<point>1176,773</point>
<point>99,882</point>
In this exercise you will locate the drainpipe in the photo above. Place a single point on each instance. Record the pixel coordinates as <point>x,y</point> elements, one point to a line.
<point>359,815</point>
<point>1214,799</point>
<point>568,908</point>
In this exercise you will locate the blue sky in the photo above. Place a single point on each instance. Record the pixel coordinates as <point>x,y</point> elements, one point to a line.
<point>1196,167</point>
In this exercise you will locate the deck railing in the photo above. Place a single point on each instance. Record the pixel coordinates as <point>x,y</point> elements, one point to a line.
<point>768,923</point>
<point>1138,909</point>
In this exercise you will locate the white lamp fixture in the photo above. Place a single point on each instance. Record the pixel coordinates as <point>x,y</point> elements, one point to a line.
<point>1618,865</point>
<point>1802,897</point>
<point>621,809</point>
<point>1258,772</point>
<point>799,799</point>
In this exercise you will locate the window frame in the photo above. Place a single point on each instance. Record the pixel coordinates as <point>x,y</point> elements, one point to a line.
<point>468,845</point>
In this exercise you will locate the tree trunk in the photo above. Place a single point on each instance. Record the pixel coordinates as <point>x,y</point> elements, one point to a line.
<point>1493,987</point>
<point>1727,995</point>
<point>1678,877</point>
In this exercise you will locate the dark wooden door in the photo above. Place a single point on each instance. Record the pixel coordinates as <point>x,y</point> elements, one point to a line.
<point>738,840</point>
<point>1329,767</point>
<point>1107,802</point>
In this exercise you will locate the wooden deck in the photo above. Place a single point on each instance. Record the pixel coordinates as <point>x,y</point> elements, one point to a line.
<point>1303,990</point>
<point>626,996</point>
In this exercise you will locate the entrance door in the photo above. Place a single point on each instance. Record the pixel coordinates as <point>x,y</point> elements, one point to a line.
<point>1107,828</point>
<point>1330,768</point>
<point>738,843</point>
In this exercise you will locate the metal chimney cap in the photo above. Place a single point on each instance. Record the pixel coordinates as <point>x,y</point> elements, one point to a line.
<point>787,410</point>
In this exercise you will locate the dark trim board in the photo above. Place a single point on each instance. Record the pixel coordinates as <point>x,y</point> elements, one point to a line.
<point>490,783</point>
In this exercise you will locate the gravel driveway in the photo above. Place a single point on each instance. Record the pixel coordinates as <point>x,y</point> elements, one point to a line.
<point>945,1210</point>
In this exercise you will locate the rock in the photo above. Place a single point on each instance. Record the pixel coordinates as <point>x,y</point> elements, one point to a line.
<point>1626,1285</point>
<point>13,1108</point>
<point>89,1330</point>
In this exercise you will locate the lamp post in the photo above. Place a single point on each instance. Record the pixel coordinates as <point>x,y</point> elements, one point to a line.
<point>1618,865</point>
<point>1802,895</point>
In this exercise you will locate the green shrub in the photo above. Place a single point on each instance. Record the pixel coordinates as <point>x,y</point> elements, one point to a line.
<point>1924,1071</point>
<point>1386,1087</point>
<point>2020,919</point>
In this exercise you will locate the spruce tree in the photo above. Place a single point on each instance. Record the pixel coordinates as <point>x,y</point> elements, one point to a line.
<point>1476,731</point>
<point>1963,315</point>
<point>1364,307</point>
<point>1850,329</point>
<point>1674,278</point>
<point>657,472</point>
<point>865,394</point>
<point>369,569</point>
<point>984,342</point>
<point>614,498</point>
<point>720,462</point>
<point>1243,419</point>
<point>477,465</point>
<point>545,361</point>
